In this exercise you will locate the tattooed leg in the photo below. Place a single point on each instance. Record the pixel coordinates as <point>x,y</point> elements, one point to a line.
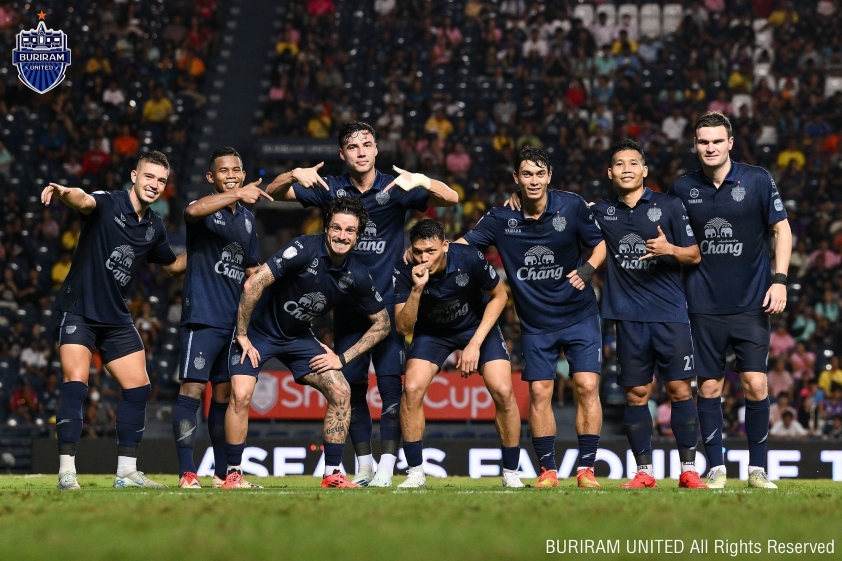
<point>336,390</point>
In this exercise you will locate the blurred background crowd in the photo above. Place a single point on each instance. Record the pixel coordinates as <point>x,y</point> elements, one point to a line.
<point>454,89</point>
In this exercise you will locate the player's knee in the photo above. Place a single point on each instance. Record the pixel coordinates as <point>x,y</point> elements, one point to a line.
<point>339,390</point>
<point>587,387</point>
<point>191,389</point>
<point>756,388</point>
<point>241,398</point>
<point>503,396</point>
<point>679,392</point>
<point>541,394</point>
<point>413,392</point>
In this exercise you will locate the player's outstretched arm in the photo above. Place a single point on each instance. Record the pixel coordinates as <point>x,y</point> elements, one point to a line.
<point>440,194</point>
<point>252,291</point>
<point>775,300</point>
<point>660,246</point>
<point>206,206</point>
<point>280,190</point>
<point>380,327</point>
<point>469,361</point>
<point>73,197</point>
<point>178,267</point>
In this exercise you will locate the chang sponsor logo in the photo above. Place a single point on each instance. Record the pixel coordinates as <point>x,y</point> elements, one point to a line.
<point>719,239</point>
<point>120,264</point>
<point>632,247</point>
<point>447,312</point>
<point>539,264</point>
<point>230,263</point>
<point>309,307</point>
<point>369,241</point>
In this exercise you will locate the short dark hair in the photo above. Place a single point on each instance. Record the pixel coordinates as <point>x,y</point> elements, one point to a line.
<point>535,155</point>
<point>427,229</point>
<point>346,205</point>
<point>626,144</point>
<point>154,157</point>
<point>714,119</point>
<point>222,152</point>
<point>351,128</point>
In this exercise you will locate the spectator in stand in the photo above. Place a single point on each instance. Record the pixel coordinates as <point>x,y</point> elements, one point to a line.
<point>53,143</point>
<point>60,269</point>
<point>24,405</point>
<point>439,124</point>
<point>830,376</point>
<point>777,409</point>
<point>788,427</point>
<point>825,258</point>
<point>803,363</point>
<point>781,342</point>
<point>791,153</point>
<point>458,162</point>
<point>603,32</point>
<point>126,144</point>
<point>780,380</point>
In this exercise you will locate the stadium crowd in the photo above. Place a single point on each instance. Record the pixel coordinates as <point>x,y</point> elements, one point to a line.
<point>454,89</point>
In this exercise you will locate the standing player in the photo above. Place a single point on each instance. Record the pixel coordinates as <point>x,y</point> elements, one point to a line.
<point>541,249</point>
<point>120,231</point>
<point>380,245</point>
<point>733,208</point>
<point>644,295</point>
<point>307,278</point>
<point>449,298</point>
<point>222,251</point>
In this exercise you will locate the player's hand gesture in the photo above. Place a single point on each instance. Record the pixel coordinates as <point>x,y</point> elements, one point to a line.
<point>420,275</point>
<point>576,280</point>
<point>251,193</point>
<point>323,364</point>
<point>513,202</point>
<point>469,361</point>
<point>309,177</point>
<point>775,300</point>
<point>47,193</point>
<point>656,247</point>
<point>248,351</point>
<point>408,181</point>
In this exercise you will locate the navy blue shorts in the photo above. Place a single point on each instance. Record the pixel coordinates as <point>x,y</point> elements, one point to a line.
<point>387,355</point>
<point>204,353</point>
<point>641,345</point>
<point>294,353</point>
<point>581,342</point>
<point>437,349</point>
<point>747,333</point>
<point>112,341</point>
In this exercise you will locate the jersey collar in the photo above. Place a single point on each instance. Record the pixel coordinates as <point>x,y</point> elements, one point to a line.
<point>126,207</point>
<point>378,185</point>
<point>645,197</point>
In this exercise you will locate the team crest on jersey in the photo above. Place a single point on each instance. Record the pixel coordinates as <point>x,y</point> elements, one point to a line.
<point>462,279</point>
<point>248,225</point>
<point>719,239</point>
<point>654,214</point>
<point>70,329</point>
<point>41,57</point>
<point>265,394</point>
<point>150,233</point>
<point>382,197</point>
<point>559,223</point>
<point>345,282</point>
<point>340,192</point>
<point>199,362</point>
<point>289,253</point>
<point>738,193</point>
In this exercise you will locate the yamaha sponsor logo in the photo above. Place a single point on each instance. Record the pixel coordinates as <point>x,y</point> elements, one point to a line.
<point>121,220</point>
<point>447,312</point>
<point>512,226</point>
<point>512,223</point>
<point>719,239</point>
<point>120,264</point>
<point>309,307</point>
<point>313,268</point>
<point>632,247</point>
<point>694,196</point>
<point>559,223</point>
<point>609,213</point>
<point>150,233</point>
<point>382,197</point>
<point>738,193</point>
<point>539,264</point>
<point>41,57</point>
<point>217,218</point>
<point>462,279</point>
<point>230,263</point>
<point>368,241</point>
<point>654,214</point>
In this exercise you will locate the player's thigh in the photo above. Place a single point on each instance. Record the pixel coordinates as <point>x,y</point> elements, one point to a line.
<point>497,376</point>
<point>674,353</point>
<point>123,354</point>
<point>635,354</point>
<point>710,344</point>
<point>129,370</point>
<point>749,335</point>
<point>419,376</point>
<point>77,341</point>
<point>204,353</point>
<point>582,344</point>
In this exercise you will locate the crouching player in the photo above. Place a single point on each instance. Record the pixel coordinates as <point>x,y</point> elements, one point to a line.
<point>307,278</point>
<point>449,298</point>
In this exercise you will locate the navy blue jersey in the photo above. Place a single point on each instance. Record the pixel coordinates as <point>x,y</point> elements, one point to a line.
<point>538,254</point>
<point>732,226</point>
<point>307,287</point>
<point>454,300</point>
<point>220,247</point>
<point>112,246</point>
<point>649,290</point>
<point>381,240</point>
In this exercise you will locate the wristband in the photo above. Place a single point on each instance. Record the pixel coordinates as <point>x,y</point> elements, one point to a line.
<point>342,359</point>
<point>585,271</point>
<point>415,180</point>
<point>779,278</point>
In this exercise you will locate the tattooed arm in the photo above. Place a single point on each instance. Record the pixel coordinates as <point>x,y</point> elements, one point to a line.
<point>252,291</point>
<point>380,327</point>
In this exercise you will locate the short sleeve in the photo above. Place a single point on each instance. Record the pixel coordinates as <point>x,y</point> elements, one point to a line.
<point>161,252</point>
<point>365,294</point>
<point>482,270</point>
<point>403,283</point>
<point>680,225</point>
<point>482,234</point>
<point>774,206</point>
<point>589,232</point>
<point>414,199</point>
<point>316,196</point>
<point>289,260</point>
<point>104,205</point>
<point>254,248</point>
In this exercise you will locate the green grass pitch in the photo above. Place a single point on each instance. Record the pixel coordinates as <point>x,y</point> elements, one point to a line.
<point>456,518</point>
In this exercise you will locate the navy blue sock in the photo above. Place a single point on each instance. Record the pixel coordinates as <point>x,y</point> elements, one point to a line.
<point>757,431</point>
<point>69,416</point>
<point>685,426</point>
<point>131,416</point>
<point>414,453</point>
<point>710,421</point>
<point>234,453</point>
<point>216,428</point>
<point>511,457</point>
<point>390,428</point>
<point>545,450</point>
<point>333,453</point>
<point>184,431</point>
<point>638,423</point>
<point>588,444</point>
<point>360,426</point>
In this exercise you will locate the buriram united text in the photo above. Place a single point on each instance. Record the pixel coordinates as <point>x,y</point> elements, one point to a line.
<point>700,546</point>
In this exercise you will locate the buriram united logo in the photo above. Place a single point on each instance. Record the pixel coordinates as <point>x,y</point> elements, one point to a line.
<point>368,241</point>
<point>719,239</point>
<point>120,264</point>
<point>309,307</point>
<point>539,264</point>
<point>447,312</point>
<point>41,57</point>
<point>230,263</point>
<point>632,248</point>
